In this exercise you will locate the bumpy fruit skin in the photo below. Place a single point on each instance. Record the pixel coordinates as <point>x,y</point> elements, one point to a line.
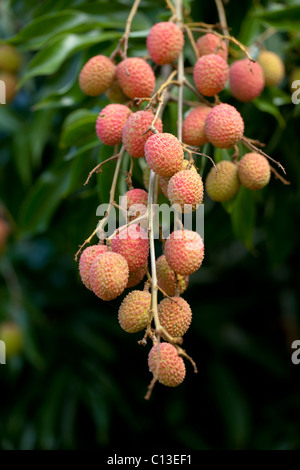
<point>184,250</point>
<point>109,275</point>
<point>133,136</point>
<point>166,365</point>
<point>140,82</point>
<point>222,183</point>
<point>11,83</point>
<point>86,260</point>
<point>254,171</point>
<point>110,123</point>
<point>245,85</point>
<point>135,277</point>
<point>164,154</point>
<point>185,189</point>
<point>175,316</point>
<point>163,182</point>
<point>134,196</point>
<point>193,126</point>
<point>210,74</point>
<point>10,59</point>
<point>272,66</point>
<point>211,44</point>
<point>166,278</point>
<point>224,126</point>
<point>97,75</point>
<point>165,41</point>
<point>115,93</point>
<point>133,244</point>
<point>134,311</point>
<point>12,335</point>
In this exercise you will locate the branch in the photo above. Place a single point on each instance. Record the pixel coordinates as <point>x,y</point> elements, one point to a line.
<point>222,16</point>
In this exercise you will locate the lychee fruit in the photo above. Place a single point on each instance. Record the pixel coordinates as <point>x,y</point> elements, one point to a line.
<point>109,275</point>
<point>11,83</point>
<point>254,171</point>
<point>193,126</point>
<point>135,202</point>
<point>135,277</point>
<point>163,182</point>
<point>272,66</point>
<point>110,123</point>
<point>13,337</point>
<point>246,80</point>
<point>185,189</point>
<point>184,250</point>
<point>211,44</point>
<point>86,260</point>
<point>224,126</point>
<point>164,154</point>
<point>165,41</point>
<point>10,59</point>
<point>115,93</point>
<point>136,78</point>
<point>167,279</point>
<point>134,311</point>
<point>210,74</point>
<point>222,182</point>
<point>166,365</point>
<point>134,133</point>
<point>175,316</point>
<point>132,243</point>
<point>97,75</point>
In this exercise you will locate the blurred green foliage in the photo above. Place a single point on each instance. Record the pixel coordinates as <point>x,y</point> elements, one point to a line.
<point>81,380</point>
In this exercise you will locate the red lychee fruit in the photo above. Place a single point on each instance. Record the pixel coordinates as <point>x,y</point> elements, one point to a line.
<point>136,78</point>
<point>109,275</point>
<point>254,171</point>
<point>184,250</point>
<point>132,243</point>
<point>193,126</point>
<point>164,154</point>
<point>185,189</point>
<point>166,365</point>
<point>224,126</point>
<point>211,44</point>
<point>110,123</point>
<point>165,41</point>
<point>134,311</point>
<point>246,80</point>
<point>86,260</point>
<point>210,74</point>
<point>97,75</point>
<point>134,133</point>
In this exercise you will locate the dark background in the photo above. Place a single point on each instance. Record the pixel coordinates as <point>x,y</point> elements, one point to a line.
<point>80,380</point>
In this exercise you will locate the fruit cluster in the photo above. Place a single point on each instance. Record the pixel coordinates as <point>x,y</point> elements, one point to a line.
<point>121,261</point>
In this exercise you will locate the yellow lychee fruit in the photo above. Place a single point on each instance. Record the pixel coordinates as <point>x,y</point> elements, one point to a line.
<point>272,66</point>
<point>134,311</point>
<point>166,365</point>
<point>167,280</point>
<point>109,275</point>
<point>165,41</point>
<point>97,75</point>
<point>175,316</point>
<point>10,59</point>
<point>184,250</point>
<point>115,93</point>
<point>222,182</point>
<point>254,171</point>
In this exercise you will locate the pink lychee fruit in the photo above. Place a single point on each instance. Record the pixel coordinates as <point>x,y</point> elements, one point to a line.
<point>246,80</point>
<point>165,41</point>
<point>184,250</point>
<point>86,260</point>
<point>166,365</point>
<point>210,74</point>
<point>132,242</point>
<point>193,126</point>
<point>175,316</point>
<point>164,154</point>
<point>185,191</point>
<point>110,123</point>
<point>254,171</point>
<point>224,126</point>
<point>97,75</point>
<point>136,133</point>
<point>136,78</point>
<point>109,275</point>
<point>211,44</point>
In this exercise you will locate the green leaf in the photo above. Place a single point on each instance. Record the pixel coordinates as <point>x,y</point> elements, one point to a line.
<point>264,104</point>
<point>78,128</point>
<point>285,19</point>
<point>22,156</point>
<point>50,59</point>
<point>243,216</point>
